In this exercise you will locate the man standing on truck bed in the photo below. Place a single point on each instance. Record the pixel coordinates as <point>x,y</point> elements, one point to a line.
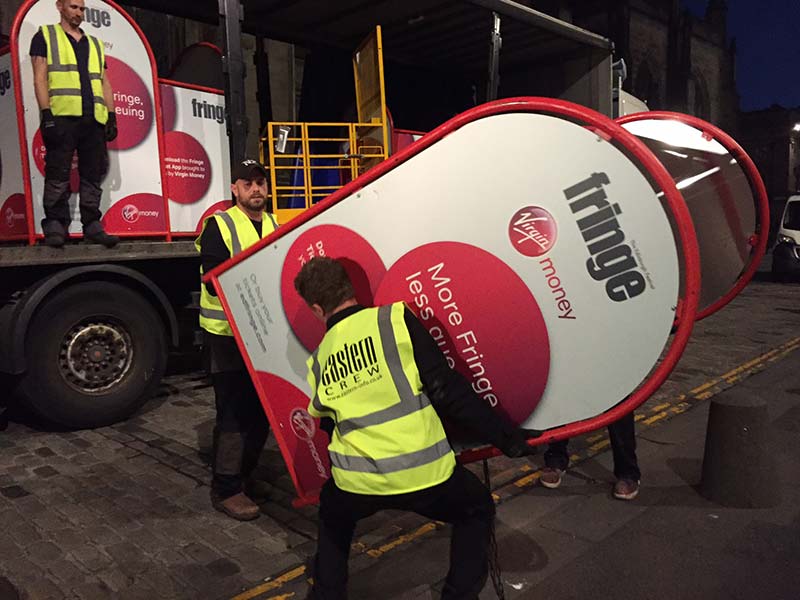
<point>77,113</point>
<point>241,428</point>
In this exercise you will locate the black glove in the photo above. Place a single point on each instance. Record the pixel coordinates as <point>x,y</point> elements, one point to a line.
<point>517,443</point>
<point>49,128</point>
<point>111,127</point>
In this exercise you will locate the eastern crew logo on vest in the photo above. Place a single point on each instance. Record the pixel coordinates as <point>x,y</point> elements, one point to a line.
<point>350,367</point>
<point>5,82</point>
<point>610,258</point>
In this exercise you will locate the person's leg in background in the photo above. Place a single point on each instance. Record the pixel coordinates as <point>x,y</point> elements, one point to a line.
<point>256,431</point>
<point>93,168</point>
<point>228,448</point>
<point>464,501</point>
<point>556,461</point>
<point>339,511</point>
<point>626,466</point>
<point>58,163</point>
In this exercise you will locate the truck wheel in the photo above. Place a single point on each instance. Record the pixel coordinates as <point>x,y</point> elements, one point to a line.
<point>95,353</point>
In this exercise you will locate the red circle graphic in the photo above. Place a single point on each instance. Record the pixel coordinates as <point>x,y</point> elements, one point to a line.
<point>532,231</point>
<point>362,263</point>
<point>456,290</point>
<point>187,166</point>
<point>133,105</point>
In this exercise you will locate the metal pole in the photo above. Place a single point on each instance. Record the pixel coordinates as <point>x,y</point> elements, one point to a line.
<point>495,43</point>
<point>231,15</point>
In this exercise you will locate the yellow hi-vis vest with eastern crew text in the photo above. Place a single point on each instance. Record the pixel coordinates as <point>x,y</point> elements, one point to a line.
<point>388,438</point>
<point>238,234</point>
<point>63,79</point>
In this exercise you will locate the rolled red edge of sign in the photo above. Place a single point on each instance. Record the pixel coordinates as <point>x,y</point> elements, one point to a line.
<point>756,185</point>
<point>686,306</point>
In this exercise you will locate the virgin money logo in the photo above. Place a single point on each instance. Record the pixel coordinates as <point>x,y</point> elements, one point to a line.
<point>12,217</point>
<point>131,213</point>
<point>532,231</point>
<point>302,424</point>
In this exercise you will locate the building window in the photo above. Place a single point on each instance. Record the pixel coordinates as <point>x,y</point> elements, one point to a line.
<point>699,104</point>
<point>645,86</point>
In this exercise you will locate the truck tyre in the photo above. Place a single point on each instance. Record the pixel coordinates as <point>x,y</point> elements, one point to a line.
<point>95,352</point>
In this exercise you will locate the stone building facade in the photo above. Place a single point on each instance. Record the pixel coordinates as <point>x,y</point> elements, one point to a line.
<point>675,61</point>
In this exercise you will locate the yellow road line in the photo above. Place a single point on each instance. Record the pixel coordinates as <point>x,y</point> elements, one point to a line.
<point>673,407</point>
<point>272,585</point>
<point>403,539</point>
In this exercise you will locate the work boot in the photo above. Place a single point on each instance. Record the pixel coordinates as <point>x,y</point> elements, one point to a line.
<point>54,239</point>
<point>238,507</point>
<point>626,489</point>
<point>550,477</point>
<point>258,491</point>
<point>55,233</point>
<point>96,234</point>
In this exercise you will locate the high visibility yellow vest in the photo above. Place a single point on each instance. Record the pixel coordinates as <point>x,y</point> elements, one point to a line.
<point>388,438</point>
<point>238,233</point>
<point>63,79</point>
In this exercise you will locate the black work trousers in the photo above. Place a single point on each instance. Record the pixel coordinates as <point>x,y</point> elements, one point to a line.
<point>622,434</point>
<point>87,137</point>
<point>240,432</point>
<point>462,500</point>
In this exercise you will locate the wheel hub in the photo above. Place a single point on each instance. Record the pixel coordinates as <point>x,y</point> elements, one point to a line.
<point>95,355</point>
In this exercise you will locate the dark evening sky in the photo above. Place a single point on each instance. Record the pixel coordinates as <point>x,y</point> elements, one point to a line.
<point>767,36</point>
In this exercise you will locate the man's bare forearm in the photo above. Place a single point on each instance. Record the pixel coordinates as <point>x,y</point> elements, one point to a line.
<point>108,95</point>
<point>40,81</point>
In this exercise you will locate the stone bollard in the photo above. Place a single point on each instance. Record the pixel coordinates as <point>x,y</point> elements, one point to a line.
<point>738,468</point>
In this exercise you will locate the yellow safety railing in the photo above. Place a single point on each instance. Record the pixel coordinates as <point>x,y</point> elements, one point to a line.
<point>309,161</point>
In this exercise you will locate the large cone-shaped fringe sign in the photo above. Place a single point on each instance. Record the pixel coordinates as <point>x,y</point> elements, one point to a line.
<point>546,250</point>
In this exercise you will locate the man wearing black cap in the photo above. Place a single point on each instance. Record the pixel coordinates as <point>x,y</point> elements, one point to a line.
<point>241,427</point>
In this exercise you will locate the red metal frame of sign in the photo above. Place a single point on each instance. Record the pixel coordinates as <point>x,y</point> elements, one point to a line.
<point>686,306</point>
<point>23,144</point>
<point>191,86</point>
<point>759,239</point>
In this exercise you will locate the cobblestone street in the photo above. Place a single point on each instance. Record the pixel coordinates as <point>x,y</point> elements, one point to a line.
<point>123,511</point>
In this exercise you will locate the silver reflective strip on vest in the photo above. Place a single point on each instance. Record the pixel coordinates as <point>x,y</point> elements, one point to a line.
<point>363,464</point>
<point>211,313</point>
<point>95,76</point>
<point>99,100</point>
<point>409,401</point>
<point>97,49</point>
<point>237,247</point>
<point>54,53</point>
<point>62,68</point>
<point>274,222</point>
<point>64,92</point>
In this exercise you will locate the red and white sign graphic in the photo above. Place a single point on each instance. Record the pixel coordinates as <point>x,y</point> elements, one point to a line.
<point>197,154</point>
<point>493,349</point>
<point>188,168</point>
<point>298,431</point>
<point>135,161</point>
<point>139,212</point>
<point>13,218</point>
<point>554,309</point>
<point>133,105</point>
<point>13,221</point>
<point>363,265</point>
